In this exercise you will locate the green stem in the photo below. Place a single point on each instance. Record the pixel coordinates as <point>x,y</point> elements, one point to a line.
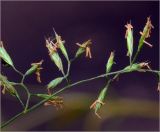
<point>68,70</point>
<point>65,77</point>
<point>72,59</point>
<point>135,57</point>
<point>69,66</point>
<point>20,73</point>
<point>11,120</point>
<point>66,87</point>
<point>28,97</point>
<point>20,101</point>
<point>23,77</point>
<point>153,71</point>
<point>130,60</point>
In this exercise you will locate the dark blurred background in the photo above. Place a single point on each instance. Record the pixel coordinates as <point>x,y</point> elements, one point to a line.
<point>24,26</point>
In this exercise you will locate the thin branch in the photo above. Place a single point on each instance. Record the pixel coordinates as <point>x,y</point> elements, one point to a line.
<point>21,102</point>
<point>66,87</point>
<point>28,97</point>
<point>20,73</point>
<point>23,77</point>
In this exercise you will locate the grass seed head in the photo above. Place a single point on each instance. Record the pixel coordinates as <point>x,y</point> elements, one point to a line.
<point>110,62</point>
<point>145,34</point>
<point>60,44</point>
<point>84,47</point>
<point>35,68</point>
<point>7,86</point>
<point>99,102</point>
<point>52,48</point>
<point>129,37</point>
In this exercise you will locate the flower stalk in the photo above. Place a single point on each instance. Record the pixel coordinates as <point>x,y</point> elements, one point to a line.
<point>56,44</point>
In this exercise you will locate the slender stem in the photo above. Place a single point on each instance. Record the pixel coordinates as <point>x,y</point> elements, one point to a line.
<point>11,120</point>
<point>23,77</point>
<point>28,97</point>
<point>130,60</point>
<point>153,71</point>
<point>108,83</point>
<point>68,70</point>
<point>27,103</point>
<point>72,59</point>
<point>69,65</point>
<point>28,94</point>
<point>17,96</point>
<point>64,75</point>
<point>20,73</point>
<point>135,57</point>
<point>20,101</point>
<point>14,83</point>
<point>74,84</point>
<point>66,87</point>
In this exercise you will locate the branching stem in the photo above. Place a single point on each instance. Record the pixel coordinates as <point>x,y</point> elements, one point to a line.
<point>20,73</point>
<point>28,96</point>
<point>20,101</point>
<point>59,91</point>
<point>135,57</point>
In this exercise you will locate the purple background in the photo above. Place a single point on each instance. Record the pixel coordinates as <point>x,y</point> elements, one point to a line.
<point>25,25</point>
